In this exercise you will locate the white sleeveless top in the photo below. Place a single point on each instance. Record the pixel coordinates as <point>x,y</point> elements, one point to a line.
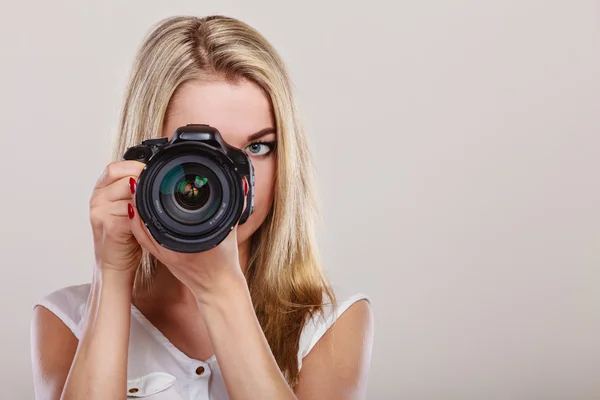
<point>157,370</point>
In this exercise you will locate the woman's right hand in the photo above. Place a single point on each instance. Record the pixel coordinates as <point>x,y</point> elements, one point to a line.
<point>94,365</point>
<point>115,247</point>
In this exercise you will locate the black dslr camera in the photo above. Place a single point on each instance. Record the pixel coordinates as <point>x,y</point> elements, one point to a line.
<point>190,195</point>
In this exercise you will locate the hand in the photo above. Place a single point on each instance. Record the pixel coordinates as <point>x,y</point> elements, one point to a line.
<point>115,245</point>
<point>206,273</point>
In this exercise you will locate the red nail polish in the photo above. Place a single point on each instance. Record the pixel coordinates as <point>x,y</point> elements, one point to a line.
<point>132,185</point>
<point>130,210</point>
<point>245,186</point>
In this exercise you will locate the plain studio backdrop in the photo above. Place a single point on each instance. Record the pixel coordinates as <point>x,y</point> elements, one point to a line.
<point>458,150</point>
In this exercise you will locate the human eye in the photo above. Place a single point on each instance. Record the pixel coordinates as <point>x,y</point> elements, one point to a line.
<point>261,148</point>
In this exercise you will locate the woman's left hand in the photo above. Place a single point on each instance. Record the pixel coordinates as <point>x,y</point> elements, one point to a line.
<point>206,273</point>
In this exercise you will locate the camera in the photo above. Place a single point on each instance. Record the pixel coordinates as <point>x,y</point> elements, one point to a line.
<point>190,194</point>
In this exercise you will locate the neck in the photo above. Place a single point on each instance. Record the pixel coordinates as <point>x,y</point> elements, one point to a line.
<point>168,288</point>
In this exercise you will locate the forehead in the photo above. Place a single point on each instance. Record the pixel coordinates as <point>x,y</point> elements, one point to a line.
<point>237,110</point>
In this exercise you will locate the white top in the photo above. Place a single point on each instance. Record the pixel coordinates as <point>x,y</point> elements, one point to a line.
<point>157,369</point>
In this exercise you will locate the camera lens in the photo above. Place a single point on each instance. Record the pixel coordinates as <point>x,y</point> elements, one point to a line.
<point>190,193</point>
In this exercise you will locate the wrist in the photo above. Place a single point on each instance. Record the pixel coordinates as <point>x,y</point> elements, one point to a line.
<point>113,278</point>
<point>222,290</point>
<point>110,293</point>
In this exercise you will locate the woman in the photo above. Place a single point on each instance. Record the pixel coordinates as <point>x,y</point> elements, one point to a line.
<point>254,317</point>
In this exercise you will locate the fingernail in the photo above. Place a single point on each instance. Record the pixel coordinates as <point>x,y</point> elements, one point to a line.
<point>132,185</point>
<point>245,186</point>
<point>130,210</point>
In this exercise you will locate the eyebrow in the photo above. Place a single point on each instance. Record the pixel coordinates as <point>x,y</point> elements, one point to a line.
<point>261,133</point>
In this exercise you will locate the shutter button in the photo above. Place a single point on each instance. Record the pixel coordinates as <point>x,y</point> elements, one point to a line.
<point>199,370</point>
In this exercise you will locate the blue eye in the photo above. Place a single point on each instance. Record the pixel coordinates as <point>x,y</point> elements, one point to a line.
<point>260,148</point>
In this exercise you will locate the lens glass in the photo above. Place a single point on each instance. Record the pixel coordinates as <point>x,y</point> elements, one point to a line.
<point>190,193</point>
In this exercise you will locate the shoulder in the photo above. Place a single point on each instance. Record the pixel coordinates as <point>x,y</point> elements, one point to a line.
<point>353,306</point>
<point>68,304</point>
<point>54,336</point>
<point>337,358</point>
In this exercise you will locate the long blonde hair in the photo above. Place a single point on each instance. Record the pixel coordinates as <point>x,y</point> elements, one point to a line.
<point>284,273</point>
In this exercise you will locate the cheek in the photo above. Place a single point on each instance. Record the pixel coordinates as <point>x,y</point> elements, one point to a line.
<point>264,178</point>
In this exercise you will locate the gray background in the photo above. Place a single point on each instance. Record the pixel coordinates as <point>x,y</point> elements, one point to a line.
<point>458,149</point>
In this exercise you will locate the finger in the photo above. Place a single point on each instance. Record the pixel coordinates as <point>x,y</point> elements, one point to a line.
<point>133,189</point>
<point>142,234</point>
<point>245,184</point>
<point>245,191</point>
<point>111,214</point>
<point>230,243</point>
<point>117,170</point>
<point>117,208</point>
<point>119,190</point>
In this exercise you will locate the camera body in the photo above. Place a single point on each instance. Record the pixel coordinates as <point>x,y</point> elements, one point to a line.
<point>190,194</point>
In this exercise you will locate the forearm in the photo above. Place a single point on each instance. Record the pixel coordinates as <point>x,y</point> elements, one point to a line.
<point>99,369</point>
<point>245,358</point>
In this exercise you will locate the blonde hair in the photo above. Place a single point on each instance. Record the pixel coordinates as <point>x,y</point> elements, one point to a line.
<point>284,273</point>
